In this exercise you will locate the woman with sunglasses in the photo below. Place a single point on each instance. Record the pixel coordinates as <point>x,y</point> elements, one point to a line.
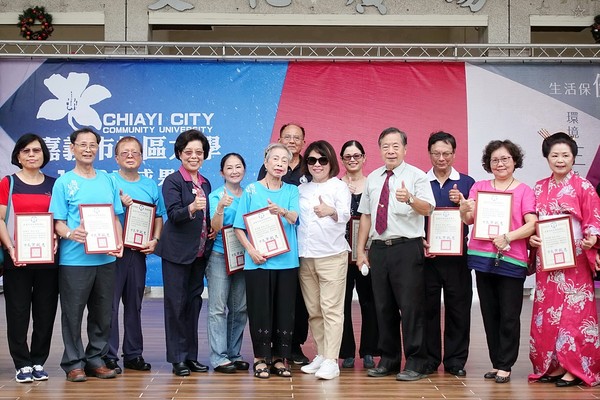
<point>323,251</point>
<point>353,158</point>
<point>500,262</point>
<point>31,291</point>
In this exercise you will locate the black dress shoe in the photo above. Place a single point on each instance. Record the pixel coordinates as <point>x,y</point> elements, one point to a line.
<point>380,372</point>
<point>550,378</point>
<point>112,364</point>
<point>195,366</point>
<point>490,375</point>
<point>241,365</point>
<point>226,368</point>
<point>138,364</point>
<point>562,383</point>
<point>456,371</point>
<point>181,369</point>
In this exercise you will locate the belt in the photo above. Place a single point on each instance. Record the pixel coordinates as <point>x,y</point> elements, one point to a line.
<point>392,242</point>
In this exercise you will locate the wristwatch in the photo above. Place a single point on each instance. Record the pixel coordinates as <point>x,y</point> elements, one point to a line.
<point>68,235</point>
<point>410,200</point>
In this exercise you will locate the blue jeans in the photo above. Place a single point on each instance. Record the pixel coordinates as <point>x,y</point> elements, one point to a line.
<point>227,313</point>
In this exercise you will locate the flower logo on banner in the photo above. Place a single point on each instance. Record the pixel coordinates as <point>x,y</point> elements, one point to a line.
<point>73,100</point>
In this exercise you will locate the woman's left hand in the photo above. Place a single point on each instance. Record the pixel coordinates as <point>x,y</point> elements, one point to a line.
<point>118,253</point>
<point>501,242</point>
<point>274,208</point>
<point>588,241</point>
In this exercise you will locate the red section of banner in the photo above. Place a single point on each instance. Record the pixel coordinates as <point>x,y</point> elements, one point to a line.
<point>343,101</point>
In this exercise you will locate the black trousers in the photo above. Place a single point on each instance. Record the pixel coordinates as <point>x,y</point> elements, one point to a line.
<point>369,333</point>
<point>451,274</point>
<point>29,293</point>
<point>398,278</point>
<point>270,298</point>
<point>183,287</point>
<point>501,300</point>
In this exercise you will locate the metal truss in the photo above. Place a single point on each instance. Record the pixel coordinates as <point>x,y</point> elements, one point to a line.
<point>301,51</point>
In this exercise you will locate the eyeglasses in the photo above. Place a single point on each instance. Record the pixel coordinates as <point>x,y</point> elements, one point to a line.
<point>313,160</point>
<point>85,146</point>
<point>126,154</point>
<point>288,138</point>
<point>189,153</point>
<point>446,154</point>
<point>357,156</point>
<point>503,160</point>
<point>35,150</point>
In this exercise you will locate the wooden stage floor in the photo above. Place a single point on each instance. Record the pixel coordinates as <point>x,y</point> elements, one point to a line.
<point>160,383</point>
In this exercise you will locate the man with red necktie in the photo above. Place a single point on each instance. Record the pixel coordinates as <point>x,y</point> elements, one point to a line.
<point>399,197</point>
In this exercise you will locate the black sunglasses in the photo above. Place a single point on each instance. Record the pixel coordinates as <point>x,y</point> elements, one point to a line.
<point>313,160</point>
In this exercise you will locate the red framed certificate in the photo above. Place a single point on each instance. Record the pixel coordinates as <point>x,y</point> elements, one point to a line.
<point>139,224</point>
<point>98,220</point>
<point>492,215</point>
<point>558,244</point>
<point>34,238</point>
<point>234,251</point>
<point>265,232</point>
<point>445,232</point>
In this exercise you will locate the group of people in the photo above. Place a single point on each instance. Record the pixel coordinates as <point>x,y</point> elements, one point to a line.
<point>280,295</point>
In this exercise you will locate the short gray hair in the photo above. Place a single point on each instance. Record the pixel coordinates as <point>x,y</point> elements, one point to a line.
<point>274,146</point>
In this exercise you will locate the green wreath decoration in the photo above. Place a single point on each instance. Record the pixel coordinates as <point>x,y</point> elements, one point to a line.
<point>28,19</point>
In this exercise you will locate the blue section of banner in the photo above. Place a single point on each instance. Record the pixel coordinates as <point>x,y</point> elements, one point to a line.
<point>234,104</point>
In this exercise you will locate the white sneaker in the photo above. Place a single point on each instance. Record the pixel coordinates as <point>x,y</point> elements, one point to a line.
<point>314,365</point>
<point>329,369</point>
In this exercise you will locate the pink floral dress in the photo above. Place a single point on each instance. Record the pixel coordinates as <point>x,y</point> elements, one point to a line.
<point>564,323</point>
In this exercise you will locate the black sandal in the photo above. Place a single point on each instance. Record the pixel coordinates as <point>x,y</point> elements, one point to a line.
<point>259,372</point>
<point>284,372</point>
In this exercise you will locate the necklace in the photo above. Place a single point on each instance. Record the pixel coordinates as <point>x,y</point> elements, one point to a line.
<point>509,185</point>
<point>268,187</point>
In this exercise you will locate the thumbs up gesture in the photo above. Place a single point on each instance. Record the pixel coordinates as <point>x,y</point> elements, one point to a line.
<point>199,202</point>
<point>125,198</point>
<point>402,193</point>
<point>466,205</point>
<point>322,209</point>
<point>454,194</point>
<point>226,199</point>
<point>351,185</point>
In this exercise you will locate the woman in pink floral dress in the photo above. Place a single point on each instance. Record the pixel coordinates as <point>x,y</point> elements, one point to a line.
<point>564,344</point>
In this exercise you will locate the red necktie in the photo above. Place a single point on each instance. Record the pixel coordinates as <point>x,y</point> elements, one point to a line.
<point>382,207</point>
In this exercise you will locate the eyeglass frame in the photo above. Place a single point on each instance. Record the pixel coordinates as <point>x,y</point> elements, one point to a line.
<point>133,153</point>
<point>87,146</point>
<point>504,160</point>
<point>445,154</point>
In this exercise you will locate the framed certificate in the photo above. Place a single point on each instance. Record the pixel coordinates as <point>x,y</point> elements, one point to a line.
<point>558,244</point>
<point>265,232</point>
<point>98,220</point>
<point>234,251</point>
<point>34,238</point>
<point>139,224</point>
<point>493,211</point>
<point>445,232</point>
<point>353,225</point>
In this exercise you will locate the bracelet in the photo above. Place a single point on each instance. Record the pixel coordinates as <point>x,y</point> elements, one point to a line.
<point>219,213</point>
<point>155,238</point>
<point>506,238</point>
<point>284,212</point>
